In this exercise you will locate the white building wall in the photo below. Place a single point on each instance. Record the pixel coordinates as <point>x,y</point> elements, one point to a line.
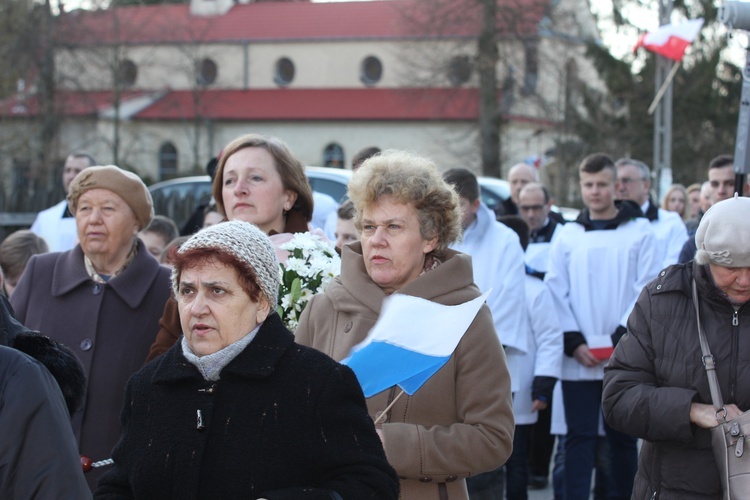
<point>449,145</point>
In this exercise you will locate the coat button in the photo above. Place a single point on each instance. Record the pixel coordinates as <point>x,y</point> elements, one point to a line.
<point>450,479</point>
<point>662,273</point>
<point>348,327</point>
<point>658,287</point>
<point>97,288</point>
<point>86,344</point>
<point>425,479</point>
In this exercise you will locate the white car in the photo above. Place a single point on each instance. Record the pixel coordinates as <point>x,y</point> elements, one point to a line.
<point>493,190</point>
<point>178,198</point>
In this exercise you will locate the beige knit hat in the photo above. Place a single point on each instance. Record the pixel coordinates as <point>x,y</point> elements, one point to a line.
<point>723,236</point>
<point>126,185</point>
<point>246,243</point>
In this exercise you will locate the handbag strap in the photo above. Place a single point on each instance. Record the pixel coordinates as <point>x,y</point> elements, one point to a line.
<point>709,362</point>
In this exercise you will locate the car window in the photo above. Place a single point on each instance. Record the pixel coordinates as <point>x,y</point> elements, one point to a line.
<point>178,201</point>
<point>334,189</point>
<point>490,198</point>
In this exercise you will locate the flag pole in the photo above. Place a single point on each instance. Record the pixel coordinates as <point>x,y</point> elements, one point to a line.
<point>664,86</point>
<point>383,413</point>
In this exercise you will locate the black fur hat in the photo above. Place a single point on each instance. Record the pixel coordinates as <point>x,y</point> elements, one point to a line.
<point>61,363</point>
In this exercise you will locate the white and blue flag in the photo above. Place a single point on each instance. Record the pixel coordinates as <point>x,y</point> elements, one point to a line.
<point>412,339</point>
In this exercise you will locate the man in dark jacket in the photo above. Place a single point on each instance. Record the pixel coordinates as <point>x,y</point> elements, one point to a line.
<point>721,181</point>
<point>38,452</point>
<point>519,175</point>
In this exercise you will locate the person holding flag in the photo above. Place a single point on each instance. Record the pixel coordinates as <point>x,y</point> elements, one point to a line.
<point>406,316</point>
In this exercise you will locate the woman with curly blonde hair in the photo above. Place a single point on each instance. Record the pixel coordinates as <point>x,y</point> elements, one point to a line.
<point>460,422</point>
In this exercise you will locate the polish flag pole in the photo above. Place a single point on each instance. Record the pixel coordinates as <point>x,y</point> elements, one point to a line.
<point>670,41</point>
<point>664,87</point>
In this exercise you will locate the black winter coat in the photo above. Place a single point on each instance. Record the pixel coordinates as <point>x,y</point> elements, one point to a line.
<point>656,373</point>
<point>38,452</point>
<point>284,422</point>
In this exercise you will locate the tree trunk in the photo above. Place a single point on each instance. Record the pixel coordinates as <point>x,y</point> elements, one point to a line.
<point>489,114</point>
<point>49,124</point>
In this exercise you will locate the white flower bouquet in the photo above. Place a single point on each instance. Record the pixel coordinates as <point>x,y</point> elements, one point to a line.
<point>311,265</point>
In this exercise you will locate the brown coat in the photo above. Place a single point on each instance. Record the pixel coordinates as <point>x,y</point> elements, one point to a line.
<point>108,326</point>
<point>460,422</point>
<point>656,373</point>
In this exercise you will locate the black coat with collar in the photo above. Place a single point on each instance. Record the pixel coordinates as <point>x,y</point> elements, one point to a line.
<point>109,327</point>
<point>284,422</point>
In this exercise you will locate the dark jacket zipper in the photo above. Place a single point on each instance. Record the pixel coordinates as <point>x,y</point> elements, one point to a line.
<point>735,353</point>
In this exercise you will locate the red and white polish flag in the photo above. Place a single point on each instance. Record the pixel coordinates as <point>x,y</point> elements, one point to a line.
<point>671,40</point>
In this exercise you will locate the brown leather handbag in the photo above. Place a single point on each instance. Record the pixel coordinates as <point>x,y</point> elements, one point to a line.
<point>729,439</point>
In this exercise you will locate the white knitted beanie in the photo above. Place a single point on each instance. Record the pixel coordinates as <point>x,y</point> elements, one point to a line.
<point>723,235</point>
<point>246,243</point>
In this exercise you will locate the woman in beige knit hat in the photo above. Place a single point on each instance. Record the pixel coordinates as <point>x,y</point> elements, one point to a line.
<point>236,409</point>
<point>102,299</point>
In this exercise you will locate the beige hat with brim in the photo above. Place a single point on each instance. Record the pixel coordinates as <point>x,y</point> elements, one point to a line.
<point>126,185</point>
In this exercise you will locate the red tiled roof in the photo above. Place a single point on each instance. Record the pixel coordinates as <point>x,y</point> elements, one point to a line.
<point>265,21</point>
<point>66,103</point>
<point>414,104</point>
<point>318,104</point>
<point>330,105</point>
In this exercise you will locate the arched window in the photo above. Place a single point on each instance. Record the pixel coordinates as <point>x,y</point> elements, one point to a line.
<point>333,156</point>
<point>167,161</point>
<point>284,72</point>
<point>207,71</point>
<point>572,86</point>
<point>371,71</point>
<point>459,70</point>
<point>127,73</point>
<point>531,75</point>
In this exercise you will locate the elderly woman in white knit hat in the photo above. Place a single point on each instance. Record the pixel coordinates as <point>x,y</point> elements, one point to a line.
<point>655,385</point>
<point>236,409</point>
<point>102,299</point>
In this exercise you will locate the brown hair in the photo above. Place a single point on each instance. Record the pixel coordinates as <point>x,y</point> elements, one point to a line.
<point>17,249</point>
<point>464,182</point>
<point>596,162</point>
<point>290,169</point>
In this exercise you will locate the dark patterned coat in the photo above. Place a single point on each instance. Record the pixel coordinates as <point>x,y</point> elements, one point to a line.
<point>284,422</point>
<point>108,326</point>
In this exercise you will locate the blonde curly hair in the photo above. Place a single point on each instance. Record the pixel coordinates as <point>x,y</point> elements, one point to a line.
<point>409,179</point>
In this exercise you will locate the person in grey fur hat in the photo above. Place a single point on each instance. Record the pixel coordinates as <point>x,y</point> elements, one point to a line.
<point>237,409</point>
<point>655,385</point>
